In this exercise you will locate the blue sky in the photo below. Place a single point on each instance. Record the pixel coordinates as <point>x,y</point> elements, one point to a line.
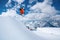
<point>3,8</point>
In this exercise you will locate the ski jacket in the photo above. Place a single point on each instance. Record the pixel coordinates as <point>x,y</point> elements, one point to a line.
<point>22,11</point>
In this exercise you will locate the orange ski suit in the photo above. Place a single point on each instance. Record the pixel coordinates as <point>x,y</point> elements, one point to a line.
<point>22,11</point>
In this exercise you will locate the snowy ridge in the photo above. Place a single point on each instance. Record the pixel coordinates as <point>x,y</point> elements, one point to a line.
<point>10,29</point>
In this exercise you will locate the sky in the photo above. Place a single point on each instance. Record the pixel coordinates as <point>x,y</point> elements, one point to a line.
<point>26,4</point>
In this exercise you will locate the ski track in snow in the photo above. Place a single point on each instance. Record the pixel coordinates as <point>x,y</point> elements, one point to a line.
<point>12,29</point>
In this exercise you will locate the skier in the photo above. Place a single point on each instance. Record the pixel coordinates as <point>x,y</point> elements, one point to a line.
<point>21,11</point>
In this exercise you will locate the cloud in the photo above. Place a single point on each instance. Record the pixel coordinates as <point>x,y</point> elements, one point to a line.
<point>44,7</point>
<point>19,1</point>
<point>9,12</point>
<point>8,4</point>
<point>30,1</point>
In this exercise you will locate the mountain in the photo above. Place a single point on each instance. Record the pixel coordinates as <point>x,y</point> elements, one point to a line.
<point>13,29</point>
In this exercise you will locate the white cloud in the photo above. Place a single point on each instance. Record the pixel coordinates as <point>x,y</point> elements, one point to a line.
<point>19,1</point>
<point>30,1</point>
<point>47,2</point>
<point>9,12</point>
<point>44,7</point>
<point>8,3</point>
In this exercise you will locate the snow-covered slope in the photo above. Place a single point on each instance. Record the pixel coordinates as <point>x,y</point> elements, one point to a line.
<point>11,29</point>
<point>48,33</point>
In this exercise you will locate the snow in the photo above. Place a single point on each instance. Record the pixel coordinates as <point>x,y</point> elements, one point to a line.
<point>12,29</point>
<point>48,33</point>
